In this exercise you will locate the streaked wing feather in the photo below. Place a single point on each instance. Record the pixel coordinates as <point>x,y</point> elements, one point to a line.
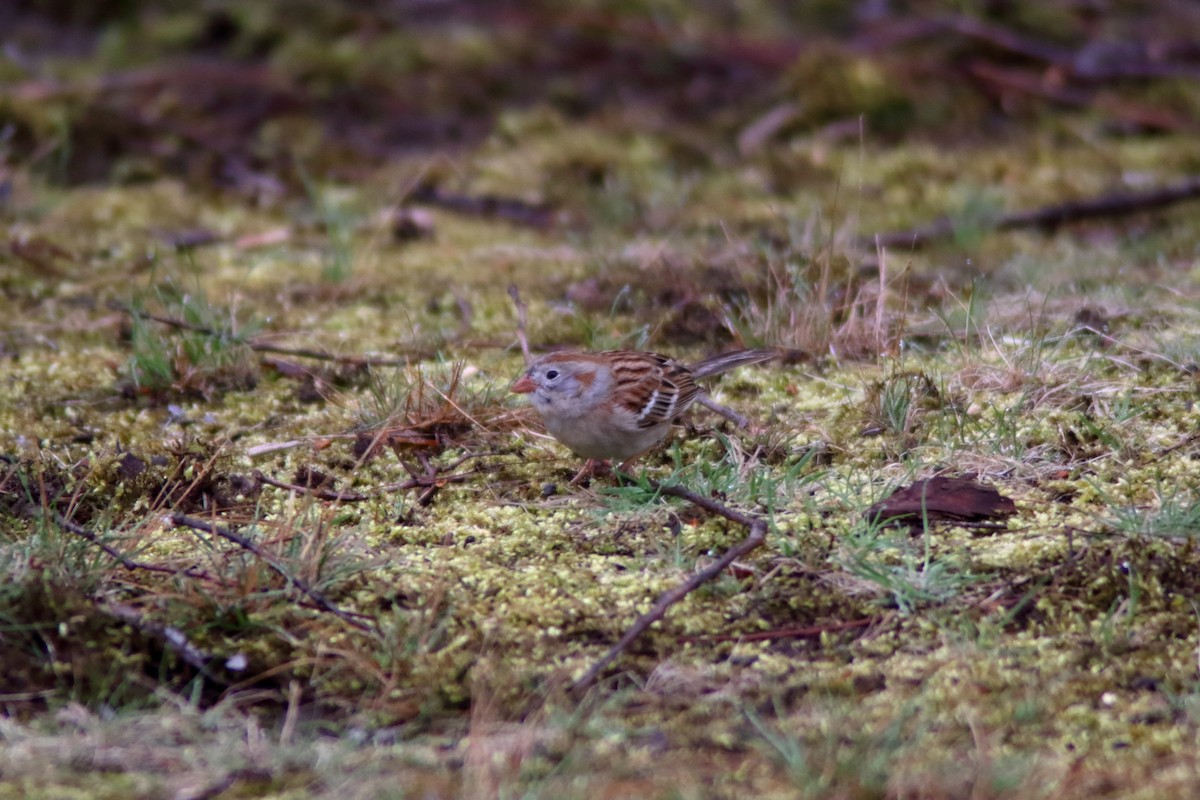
<point>656,388</point>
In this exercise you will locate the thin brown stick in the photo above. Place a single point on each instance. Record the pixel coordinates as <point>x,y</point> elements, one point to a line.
<point>313,491</point>
<point>259,346</point>
<point>430,477</point>
<point>1074,63</point>
<point>757,535</point>
<point>117,555</point>
<point>31,510</point>
<point>1053,59</point>
<point>425,481</point>
<point>1187,440</point>
<point>1125,110</point>
<point>469,456</point>
<point>522,320</point>
<point>488,205</point>
<point>172,637</point>
<point>295,693</point>
<point>1111,205</point>
<point>724,411</point>
<point>301,585</point>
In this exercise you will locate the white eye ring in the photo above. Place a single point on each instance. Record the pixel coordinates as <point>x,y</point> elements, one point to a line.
<point>551,374</point>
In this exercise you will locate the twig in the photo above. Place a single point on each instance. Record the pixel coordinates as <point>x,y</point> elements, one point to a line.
<point>315,491</point>
<point>31,510</point>
<point>117,555</point>
<point>469,456</point>
<point>522,320</point>
<point>1123,109</point>
<point>1111,205</point>
<point>1080,64</point>
<point>1005,39</point>
<point>295,692</point>
<point>430,476</point>
<point>260,346</point>
<point>487,205</point>
<point>423,480</point>
<point>1187,440</point>
<point>724,411</point>
<point>301,585</point>
<point>757,535</point>
<point>1075,63</point>
<point>173,637</point>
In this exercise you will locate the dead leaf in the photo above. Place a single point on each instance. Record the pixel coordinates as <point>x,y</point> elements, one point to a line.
<point>958,501</point>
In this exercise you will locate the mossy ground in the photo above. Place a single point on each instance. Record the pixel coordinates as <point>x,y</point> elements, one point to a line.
<point>1053,655</point>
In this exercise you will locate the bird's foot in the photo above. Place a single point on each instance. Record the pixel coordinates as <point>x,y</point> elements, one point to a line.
<point>592,469</point>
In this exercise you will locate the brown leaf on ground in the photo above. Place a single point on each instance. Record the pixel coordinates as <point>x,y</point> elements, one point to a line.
<point>958,501</point>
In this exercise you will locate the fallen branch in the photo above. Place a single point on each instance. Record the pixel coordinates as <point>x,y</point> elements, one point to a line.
<point>301,585</point>
<point>1111,205</point>
<point>757,535</point>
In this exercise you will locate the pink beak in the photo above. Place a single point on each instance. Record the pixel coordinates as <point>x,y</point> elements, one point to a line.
<point>523,386</point>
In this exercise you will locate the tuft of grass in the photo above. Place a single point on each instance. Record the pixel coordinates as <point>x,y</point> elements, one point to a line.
<point>905,752</point>
<point>598,336</point>
<point>57,641</point>
<point>434,405</point>
<point>736,477</point>
<point>203,353</point>
<point>339,222</point>
<point>901,568</point>
<point>976,217</point>
<point>150,367</point>
<point>1174,514</point>
<point>896,404</point>
<point>816,303</point>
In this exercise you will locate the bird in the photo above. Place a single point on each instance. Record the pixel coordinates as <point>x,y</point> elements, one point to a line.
<point>617,404</point>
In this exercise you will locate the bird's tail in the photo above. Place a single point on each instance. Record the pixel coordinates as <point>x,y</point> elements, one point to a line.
<point>727,361</point>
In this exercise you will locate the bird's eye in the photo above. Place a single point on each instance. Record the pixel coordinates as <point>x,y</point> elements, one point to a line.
<point>551,374</point>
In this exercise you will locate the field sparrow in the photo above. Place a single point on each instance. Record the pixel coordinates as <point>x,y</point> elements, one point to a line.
<point>619,403</point>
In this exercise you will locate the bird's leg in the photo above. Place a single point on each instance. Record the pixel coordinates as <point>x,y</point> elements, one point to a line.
<point>728,413</point>
<point>589,470</point>
<point>626,467</point>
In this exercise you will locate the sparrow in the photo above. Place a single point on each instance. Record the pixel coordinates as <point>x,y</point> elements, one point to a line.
<point>618,404</point>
